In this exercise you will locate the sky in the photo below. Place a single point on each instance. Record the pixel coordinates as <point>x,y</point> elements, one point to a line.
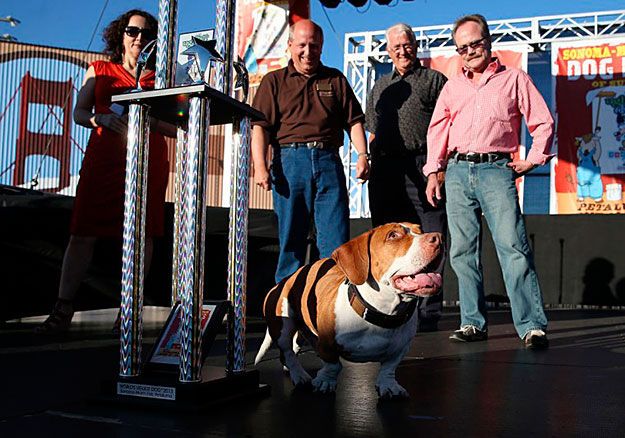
<point>74,23</point>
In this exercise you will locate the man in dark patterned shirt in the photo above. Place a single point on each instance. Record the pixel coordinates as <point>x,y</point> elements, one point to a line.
<point>399,109</point>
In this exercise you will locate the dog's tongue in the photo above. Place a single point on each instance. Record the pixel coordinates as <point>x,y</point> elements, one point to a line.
<point>411,283</point>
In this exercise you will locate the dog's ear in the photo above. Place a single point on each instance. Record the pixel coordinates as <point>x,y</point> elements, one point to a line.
<point>416,228</point>
<point>353,258</point>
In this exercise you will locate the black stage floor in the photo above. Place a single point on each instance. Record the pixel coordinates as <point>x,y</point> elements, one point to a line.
<point>490,389</point>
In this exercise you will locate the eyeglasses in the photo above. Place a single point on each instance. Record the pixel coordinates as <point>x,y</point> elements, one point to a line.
<point>473,44</point>
<point>134,31</point>
<point>406,47</point>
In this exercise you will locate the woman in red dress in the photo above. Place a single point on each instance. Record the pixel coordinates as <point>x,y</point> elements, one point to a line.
<point>99,204</point>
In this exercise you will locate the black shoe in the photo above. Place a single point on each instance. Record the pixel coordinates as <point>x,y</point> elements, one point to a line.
<point>468,333</point>
<point>536,340</point>
<point>59,320</point>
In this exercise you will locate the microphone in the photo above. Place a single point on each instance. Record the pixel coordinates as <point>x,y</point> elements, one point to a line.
<point>145,55</point>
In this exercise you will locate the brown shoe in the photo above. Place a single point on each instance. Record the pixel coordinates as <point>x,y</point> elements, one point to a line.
<point>58,321</point>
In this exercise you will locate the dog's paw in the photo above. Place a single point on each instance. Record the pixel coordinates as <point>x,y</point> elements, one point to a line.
<point>324,385</point>
<point>391,390</point>
<point>300,377</point>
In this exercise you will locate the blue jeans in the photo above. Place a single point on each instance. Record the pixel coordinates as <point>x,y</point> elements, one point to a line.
<point>308,182</point>
<point>489,188</point>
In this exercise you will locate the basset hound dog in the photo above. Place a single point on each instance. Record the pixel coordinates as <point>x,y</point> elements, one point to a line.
<point>358,305</point>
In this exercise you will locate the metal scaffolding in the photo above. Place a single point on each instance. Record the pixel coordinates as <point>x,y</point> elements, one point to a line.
<point>364,50</point>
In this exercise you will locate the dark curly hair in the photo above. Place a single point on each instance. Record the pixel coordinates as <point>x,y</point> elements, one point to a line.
<point>113,35</point>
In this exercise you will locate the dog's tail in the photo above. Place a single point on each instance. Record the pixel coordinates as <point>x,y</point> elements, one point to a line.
<point>263,348</point>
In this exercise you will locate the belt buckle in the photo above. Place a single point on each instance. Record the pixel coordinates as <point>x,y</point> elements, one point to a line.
<point>473,157</point>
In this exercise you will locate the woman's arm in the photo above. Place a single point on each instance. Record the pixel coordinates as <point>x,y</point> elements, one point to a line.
<point>84,114</point>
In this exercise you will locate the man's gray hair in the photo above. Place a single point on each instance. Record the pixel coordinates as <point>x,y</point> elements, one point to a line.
<point>402,28</point>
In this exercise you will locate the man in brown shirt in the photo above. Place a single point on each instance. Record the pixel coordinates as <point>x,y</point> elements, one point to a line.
<point>307,106</point>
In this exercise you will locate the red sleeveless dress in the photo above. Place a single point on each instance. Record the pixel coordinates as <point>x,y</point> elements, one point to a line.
<point>99,204</point>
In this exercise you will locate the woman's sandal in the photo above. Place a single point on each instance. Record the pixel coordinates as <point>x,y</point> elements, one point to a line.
<point>58,321</point>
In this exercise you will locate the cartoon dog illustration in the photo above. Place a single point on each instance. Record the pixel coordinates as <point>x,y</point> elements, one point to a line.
<point>589,183</point>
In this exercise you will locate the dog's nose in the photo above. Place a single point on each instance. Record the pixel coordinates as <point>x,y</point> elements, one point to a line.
<point>434,239</point>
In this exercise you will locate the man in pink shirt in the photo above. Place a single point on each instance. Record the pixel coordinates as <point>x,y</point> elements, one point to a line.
<point>473,132</point>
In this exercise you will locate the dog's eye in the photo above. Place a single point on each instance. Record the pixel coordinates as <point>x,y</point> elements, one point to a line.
<point>392,235</point>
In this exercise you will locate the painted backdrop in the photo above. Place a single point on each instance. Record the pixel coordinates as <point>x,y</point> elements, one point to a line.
<point>589,174</point>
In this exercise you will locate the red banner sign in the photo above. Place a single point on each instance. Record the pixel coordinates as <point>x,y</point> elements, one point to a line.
<point>262,33</point>
<point>590,106</point>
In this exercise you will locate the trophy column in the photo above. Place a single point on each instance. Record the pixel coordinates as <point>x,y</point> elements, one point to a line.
<point>237,246</point>
<point>133,246</point>
<point>189,247</point>
<point>181,142</point>
<point>239,185</point>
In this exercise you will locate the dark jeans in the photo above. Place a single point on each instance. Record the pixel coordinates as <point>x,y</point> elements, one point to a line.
<point>397,194</point>
<point>308,182</point>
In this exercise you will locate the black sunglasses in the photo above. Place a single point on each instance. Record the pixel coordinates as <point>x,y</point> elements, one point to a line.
<point>134,31</point>
<point>473,44</point>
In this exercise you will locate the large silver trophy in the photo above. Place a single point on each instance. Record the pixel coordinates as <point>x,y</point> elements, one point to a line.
<point>192,108</point>
<point>205,52</point>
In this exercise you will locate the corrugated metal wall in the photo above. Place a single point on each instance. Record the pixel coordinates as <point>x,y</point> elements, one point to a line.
<point>40,145</point>
<point>259,198</point>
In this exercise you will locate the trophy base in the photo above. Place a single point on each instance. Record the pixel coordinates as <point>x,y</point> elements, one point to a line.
<point>164,390</point>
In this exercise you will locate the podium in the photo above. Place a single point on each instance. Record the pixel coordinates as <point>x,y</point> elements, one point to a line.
<point>186,383</point>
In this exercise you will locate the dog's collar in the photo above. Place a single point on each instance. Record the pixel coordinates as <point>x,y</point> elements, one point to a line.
<point>372,315</point>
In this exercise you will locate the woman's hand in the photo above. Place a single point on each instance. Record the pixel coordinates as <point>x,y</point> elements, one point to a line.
<point>112,122</point>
